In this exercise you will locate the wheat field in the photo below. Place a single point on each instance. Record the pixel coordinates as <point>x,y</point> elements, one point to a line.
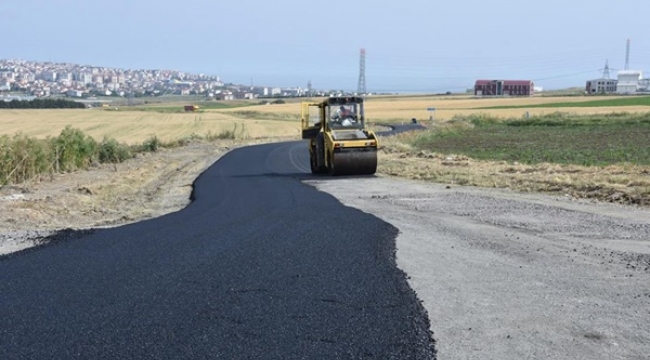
<point>136,126</point>
<point>397,108</point>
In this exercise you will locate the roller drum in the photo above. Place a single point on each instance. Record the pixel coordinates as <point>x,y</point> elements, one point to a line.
<point>354,162</point>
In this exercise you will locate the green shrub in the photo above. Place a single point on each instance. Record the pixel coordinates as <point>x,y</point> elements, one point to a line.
<point>22,158</point>
<point>73,149</point>
<point>110,151</point>
<point>152,144</point>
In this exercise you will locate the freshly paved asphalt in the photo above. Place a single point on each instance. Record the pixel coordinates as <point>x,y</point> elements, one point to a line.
<point>258,266</point>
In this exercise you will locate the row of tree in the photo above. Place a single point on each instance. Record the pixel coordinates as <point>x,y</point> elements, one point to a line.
<point>41,104</point>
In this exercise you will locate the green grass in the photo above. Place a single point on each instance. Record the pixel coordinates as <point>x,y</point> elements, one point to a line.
<point>593,140</point>
<point>627,101</point>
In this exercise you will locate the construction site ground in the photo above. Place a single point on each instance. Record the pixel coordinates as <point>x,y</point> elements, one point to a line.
<point>531,275</point>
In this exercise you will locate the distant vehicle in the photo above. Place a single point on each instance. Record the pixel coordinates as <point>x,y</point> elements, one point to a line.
<point>191,108</point>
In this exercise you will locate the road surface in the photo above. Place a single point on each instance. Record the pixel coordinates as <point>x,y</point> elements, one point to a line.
<point>258,266</point>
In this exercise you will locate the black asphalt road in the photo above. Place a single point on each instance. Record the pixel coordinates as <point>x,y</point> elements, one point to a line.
<point>258,266</point>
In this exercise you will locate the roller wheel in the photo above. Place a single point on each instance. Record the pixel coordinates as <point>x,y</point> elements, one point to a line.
<point>353,163</point>
<point>315,169</point>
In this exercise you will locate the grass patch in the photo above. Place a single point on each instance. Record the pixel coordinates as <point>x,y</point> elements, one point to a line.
<point>627,101</point>
<point>593,140</point>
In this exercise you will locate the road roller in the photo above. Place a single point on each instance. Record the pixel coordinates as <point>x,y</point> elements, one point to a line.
<point>339,142</point>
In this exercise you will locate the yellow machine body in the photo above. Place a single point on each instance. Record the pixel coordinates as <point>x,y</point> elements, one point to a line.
<point>339,142</point>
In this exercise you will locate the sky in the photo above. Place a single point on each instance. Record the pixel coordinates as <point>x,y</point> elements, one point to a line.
<point>412,46</point>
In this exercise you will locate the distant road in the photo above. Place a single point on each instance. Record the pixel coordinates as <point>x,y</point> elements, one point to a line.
<point>258,266</point>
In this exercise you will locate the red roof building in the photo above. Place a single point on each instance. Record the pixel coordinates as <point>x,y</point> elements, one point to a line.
<point>504,88</point>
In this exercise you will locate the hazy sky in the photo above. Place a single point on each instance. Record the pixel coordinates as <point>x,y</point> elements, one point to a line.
<point>412,45</point>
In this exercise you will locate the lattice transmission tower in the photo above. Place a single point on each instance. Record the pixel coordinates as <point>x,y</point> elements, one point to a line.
<point>361,87</point>
<point>606,70</point>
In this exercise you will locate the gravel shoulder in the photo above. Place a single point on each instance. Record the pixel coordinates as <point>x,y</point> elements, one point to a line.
<point>505,275</point>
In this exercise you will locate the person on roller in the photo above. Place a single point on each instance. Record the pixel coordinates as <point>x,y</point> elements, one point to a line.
<point>344,112</point>
<point>344,116</point>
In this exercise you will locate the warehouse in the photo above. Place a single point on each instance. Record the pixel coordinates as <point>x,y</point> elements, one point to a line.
<point>504,88</point>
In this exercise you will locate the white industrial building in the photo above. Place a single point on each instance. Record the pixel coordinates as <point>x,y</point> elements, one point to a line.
<point>628,81</point>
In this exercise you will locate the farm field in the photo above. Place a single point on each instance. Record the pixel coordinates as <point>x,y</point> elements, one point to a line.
<point>590,140</point>
<point>394,108</point>
<point>603,157</point>
<point>136,126</point>
<point>250,120</point>
<point>448,107</point>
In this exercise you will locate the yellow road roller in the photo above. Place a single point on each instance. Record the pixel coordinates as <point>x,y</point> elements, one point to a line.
<point>339,142</point>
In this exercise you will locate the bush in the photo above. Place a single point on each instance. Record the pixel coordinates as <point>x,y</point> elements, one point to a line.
<point>22,158</point>
<point>73,149</point>
<point>151,144</point>
<point>110,151</point>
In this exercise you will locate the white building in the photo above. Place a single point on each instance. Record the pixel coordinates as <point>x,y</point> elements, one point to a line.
<point>628,81</point>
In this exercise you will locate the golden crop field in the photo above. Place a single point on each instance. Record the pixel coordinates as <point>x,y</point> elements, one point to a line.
<point>396,108</point>
<point>278,120</point>
<point>136,126</point>
<point>446,107</point>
